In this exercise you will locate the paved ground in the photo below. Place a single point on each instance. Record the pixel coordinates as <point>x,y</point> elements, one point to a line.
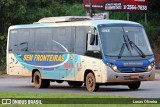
<point>148,89</point>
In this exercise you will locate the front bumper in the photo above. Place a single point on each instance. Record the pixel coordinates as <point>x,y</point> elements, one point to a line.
<point>113,76</point>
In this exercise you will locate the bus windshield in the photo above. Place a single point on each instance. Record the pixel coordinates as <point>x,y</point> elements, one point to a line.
<point>124,41</point>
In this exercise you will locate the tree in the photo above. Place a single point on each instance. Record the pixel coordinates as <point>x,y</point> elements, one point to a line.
<point>10,10</point>
<point>13,12</point>
<point>26,11</point>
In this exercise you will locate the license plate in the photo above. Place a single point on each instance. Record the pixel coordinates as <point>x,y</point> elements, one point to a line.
<point>134,76</point>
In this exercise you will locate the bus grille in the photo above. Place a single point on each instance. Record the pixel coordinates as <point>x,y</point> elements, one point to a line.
<point>132,70</point>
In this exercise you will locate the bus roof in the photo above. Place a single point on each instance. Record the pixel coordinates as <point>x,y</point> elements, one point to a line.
<point>93,23</point>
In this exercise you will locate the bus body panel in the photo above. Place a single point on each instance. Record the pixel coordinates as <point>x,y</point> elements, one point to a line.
<point>113,77</point>
<point>51,66</point>
<point>93,64</point>
<point>71,66</point>
<point>74,69</point>
<point>15,67</point>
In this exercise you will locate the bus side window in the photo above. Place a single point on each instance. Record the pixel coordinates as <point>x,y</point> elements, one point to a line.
<point>63,39</point>
<point>14,34</point>
<point>96,39</point>
<point>26,40</point>
<point>81,39</point>
<point>93,39</point>
<point>21,40</point>
<point>93,48</point>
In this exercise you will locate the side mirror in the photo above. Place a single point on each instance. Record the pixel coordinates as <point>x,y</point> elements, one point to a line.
<point>92,39</point>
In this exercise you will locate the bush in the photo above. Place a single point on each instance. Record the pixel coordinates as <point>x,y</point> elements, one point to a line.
<point>74,10</point>
<point>3,42</point>
<point>2,69</point>
<point>23,12</point>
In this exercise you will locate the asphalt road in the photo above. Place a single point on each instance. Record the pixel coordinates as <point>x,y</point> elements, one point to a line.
<point>148,89</point>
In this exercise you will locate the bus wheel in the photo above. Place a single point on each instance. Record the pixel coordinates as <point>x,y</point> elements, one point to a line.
<point>39,82</point>
<point>46,83</point>
<point>75,84</point>
<point>134,86</point>
<point>91,83</point>
<point>59,81</point>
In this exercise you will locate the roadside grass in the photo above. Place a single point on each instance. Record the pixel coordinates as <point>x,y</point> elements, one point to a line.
<point>46,95</point>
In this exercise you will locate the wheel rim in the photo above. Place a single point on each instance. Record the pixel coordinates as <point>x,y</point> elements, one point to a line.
<point>90,82</point>
<point>37,79</point>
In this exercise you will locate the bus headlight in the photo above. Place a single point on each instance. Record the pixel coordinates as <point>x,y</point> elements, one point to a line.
<point>108,64</point>
<point>114,67</point>
<point>149,68</point>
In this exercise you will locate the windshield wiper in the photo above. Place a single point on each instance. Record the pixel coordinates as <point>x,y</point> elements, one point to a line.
<point>123,47</point>
<point>122,50</point>
<point>138,50</point>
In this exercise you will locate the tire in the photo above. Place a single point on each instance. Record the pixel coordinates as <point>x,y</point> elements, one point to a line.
<point>46,83</point>
<point>91,84</point>
<point>134,86</point>
<point>39,82</point>
<point>59,81</point>
<point>75,84</point>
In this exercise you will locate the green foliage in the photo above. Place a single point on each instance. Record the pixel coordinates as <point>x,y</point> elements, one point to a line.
<point>14,12</point>
<point>37,10</point>
<point>26,11</point>
<point>47,95</point>
<point>11,11</point>
<point>3,42</point>
<point>74,10</point>
<point>118,15</point>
